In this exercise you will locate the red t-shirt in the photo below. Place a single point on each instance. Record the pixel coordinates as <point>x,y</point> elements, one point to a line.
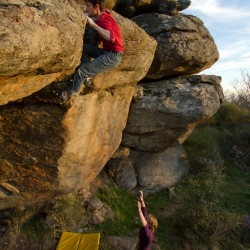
<point>107,22</point>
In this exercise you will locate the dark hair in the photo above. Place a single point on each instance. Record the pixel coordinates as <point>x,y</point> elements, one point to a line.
<point>100,2</point>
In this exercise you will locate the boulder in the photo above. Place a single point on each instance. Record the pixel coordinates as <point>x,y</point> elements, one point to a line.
<point>94,203</point>
<point>131,8</point>
<point>152,172</point>
<point>97,218</point>
<point>170,110</point>
<point>49,149</point>
<point>123,173</point>
<point>185,46</point>
<point>70,144</point>
<point>99,211</point>
<point>109,4</point>
<point>40,42</point>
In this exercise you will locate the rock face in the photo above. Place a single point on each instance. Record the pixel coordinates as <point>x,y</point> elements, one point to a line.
<point>170,110</point>
<point>150,172</point>
<point>171,101</point>
<point>185,46</point>
<point>40,41</point>
<point>130,8</point>
<point>48,149</point>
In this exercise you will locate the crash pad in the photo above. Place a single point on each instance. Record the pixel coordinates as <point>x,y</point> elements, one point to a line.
<point>76,241</point>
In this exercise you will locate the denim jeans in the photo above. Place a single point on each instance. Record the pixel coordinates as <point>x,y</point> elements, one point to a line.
<point>103,61</point>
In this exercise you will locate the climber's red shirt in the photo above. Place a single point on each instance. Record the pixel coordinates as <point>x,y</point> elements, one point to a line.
<point>107,22</point>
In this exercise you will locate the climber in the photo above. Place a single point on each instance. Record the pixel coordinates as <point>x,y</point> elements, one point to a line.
<point>149,225</point>
<point>104,59</point>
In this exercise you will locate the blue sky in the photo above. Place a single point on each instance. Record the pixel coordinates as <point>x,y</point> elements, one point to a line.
<point>228,21</point>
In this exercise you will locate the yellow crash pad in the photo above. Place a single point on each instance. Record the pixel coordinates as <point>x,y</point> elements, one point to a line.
<point>76,241</point>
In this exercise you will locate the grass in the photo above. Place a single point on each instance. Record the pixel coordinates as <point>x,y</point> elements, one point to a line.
<point>219,192</point>
<point>204,211</point>
<point>124,206</point>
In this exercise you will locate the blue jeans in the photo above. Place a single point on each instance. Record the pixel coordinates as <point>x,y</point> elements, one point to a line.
<point>103,61</point>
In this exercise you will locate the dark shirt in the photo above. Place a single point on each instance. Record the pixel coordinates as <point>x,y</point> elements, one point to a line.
<point>107,22</point>
<point>145,235</point>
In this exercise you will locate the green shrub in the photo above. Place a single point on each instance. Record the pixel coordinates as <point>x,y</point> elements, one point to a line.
<point>228,114</point>
<point>204,224</point>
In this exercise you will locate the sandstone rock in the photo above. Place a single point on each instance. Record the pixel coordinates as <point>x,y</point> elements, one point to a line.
<point>122,242</point>
<point>97,218</point>
<point>121,152</point>
<point>185,46</point>
<point>73,142</point>
<point>153,172</point>
<point>123,172</point>
<point>5,193</point>
<point>10,188</point>
<point>138,93</point>
<point>40,42</point>
<point>71,145</point>
<point>94,203</point>
<point>107,212</point>
<point>130,8</point>
<point>169,111</point>
<point>109,4</point>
